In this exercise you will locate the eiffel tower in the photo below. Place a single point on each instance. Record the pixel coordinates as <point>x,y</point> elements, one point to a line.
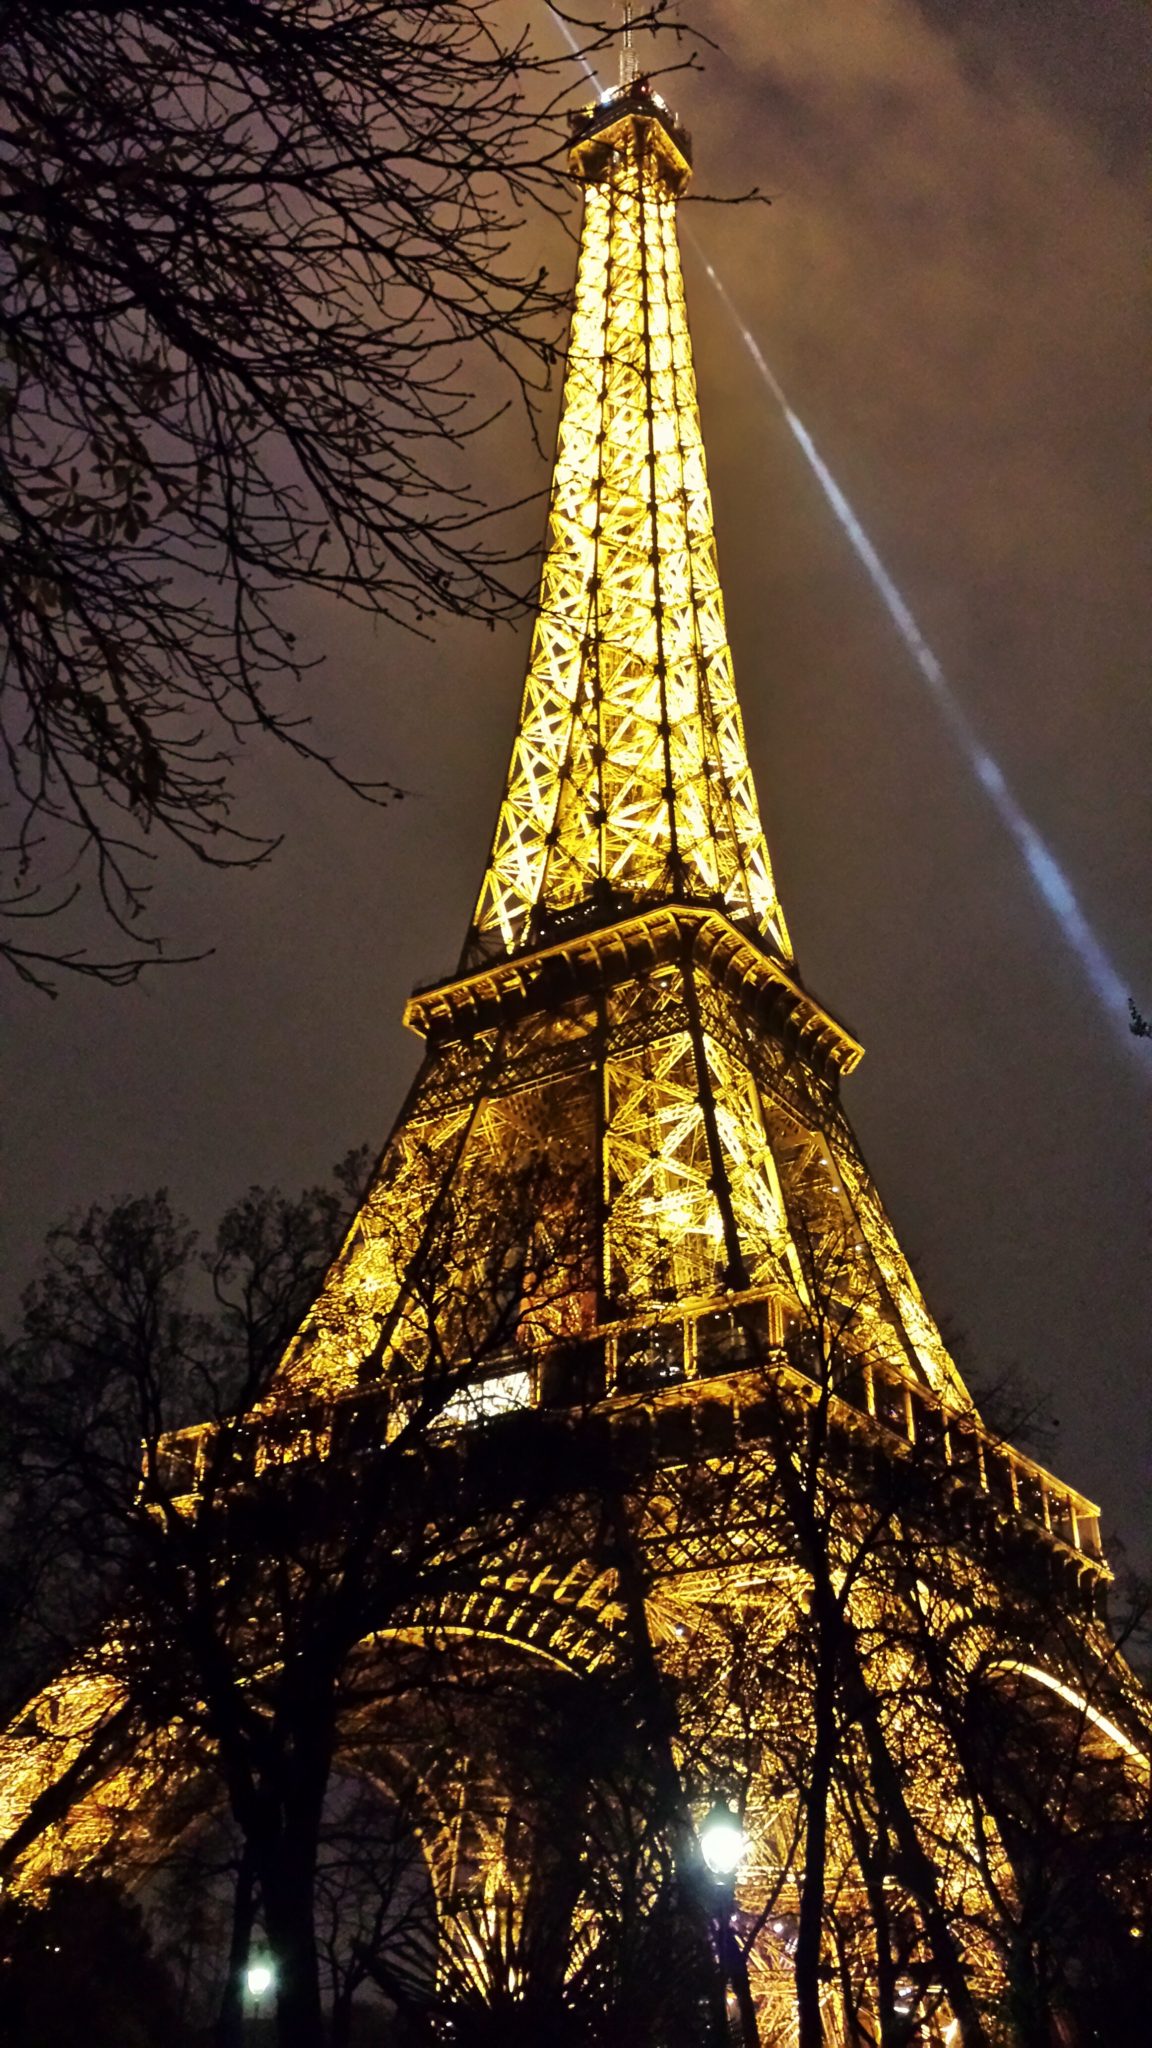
<point>628,1047</point>
<point>628,976</point>
<point>628,1028</point>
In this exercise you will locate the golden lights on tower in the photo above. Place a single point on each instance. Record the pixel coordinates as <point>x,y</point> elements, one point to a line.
<point>630,777</point>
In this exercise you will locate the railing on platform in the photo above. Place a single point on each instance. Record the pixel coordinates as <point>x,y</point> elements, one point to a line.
<point>637,1359</point>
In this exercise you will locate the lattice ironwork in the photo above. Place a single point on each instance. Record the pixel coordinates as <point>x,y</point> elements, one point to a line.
<point>629,776</point>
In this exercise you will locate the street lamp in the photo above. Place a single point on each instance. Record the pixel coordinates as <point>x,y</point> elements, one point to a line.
<point>722,1846</point>
<point>259,1978</point>
<point>722,1840</point>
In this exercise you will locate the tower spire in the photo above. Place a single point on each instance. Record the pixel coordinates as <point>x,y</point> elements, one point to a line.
<point>629,781</point>
<point>629,69</point>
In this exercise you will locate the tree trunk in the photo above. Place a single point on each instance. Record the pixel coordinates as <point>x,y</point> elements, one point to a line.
<point>839,1661</point>
<point>811,1917</point>
<point>229,2029</point>
<point>890,2027</point>
<point>1029,2007</point>
<point>286,1888</point>
<point>916,1871</point>
<point>746,2004</point>
<point>658,1716</point>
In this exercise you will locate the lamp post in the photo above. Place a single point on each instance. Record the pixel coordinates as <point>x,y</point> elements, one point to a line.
<point>722,1846</point>
<point>259,1980</point>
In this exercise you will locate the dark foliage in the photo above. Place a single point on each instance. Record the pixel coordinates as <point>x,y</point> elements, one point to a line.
<point>77,1970</point>
<point>130,1330</point>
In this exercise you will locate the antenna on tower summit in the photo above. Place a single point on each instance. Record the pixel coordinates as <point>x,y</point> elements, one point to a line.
<point>629,69</point>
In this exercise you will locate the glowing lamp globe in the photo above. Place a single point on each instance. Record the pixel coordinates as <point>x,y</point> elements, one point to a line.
<point>259,1979</point>
<point>722,1840</point>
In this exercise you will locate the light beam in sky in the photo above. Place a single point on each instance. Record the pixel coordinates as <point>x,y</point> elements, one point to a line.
<point>1046,874</point>
<point>1044,869</point>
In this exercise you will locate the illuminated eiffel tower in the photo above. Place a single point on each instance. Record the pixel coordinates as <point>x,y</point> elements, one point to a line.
<point>628,990</point>
<point>628,1035</point>
<point>624,1163</point>
<point>628,980</point>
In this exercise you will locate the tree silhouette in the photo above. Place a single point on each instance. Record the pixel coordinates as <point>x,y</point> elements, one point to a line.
<point>254,258</point>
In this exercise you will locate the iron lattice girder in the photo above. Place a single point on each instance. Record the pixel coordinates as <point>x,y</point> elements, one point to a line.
<point>993,1502</point>
<point>618,949</point>
<point>683,1073</point>
<point>629,769</point>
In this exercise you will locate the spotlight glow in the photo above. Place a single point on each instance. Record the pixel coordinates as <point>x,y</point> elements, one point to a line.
<point>1044,869</point>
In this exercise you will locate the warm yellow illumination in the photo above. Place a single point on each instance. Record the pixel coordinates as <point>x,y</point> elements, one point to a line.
<point>1141,1757</point>
<point>629,776</point>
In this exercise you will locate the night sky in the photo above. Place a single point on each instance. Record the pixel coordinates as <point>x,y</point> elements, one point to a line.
<point>949,286</point>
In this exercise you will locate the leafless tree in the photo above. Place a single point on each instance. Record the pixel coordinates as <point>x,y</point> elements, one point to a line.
<point>254,258</point>
<point>129,1331</point>
<point>222,1582</point>
<point>321,1592</point>
<point>953,1837</point>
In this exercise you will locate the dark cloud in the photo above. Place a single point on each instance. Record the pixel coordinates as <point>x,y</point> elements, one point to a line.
<point>949,286</point>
